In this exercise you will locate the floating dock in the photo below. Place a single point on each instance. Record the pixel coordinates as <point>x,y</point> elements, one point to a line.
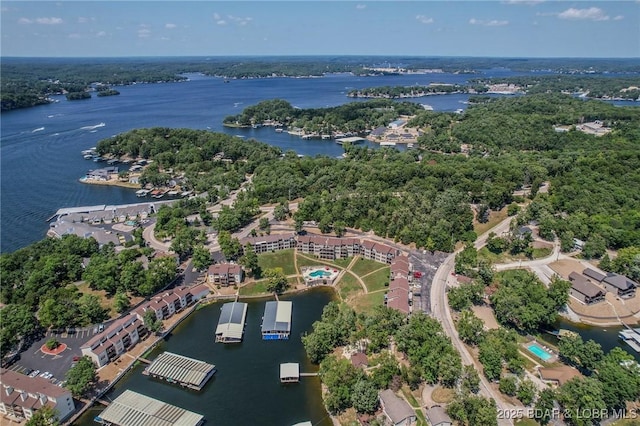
<point>134,409</point>
<point>352,140</point>
<point>231,323</point>
<point>184,371</point>
<point>289,372</point>
<point>276,322</point>
<point>631,336</point>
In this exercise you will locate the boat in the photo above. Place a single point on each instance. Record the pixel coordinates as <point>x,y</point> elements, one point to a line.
<point>88,156</point>
<point>142,192</point>
<point>186,193</point>
<point>387,144</point>
<point>97,158</point>
<point>279,130</point>
<point>631,337</point>
<point>173,193</point>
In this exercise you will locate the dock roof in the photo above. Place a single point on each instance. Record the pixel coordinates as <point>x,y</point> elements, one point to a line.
<point>181,369</point>
<point>134,409</point>
<point>289,369</point>
<point>277,316</point>
<point>232,318</point>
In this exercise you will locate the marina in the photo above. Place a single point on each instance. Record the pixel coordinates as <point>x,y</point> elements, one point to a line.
<point>231,323</point>
<point>135,409</point>
<point>184,371</point>
<point>276,322</point>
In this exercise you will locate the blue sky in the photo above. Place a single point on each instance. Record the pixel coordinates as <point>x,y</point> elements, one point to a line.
<point>507,28</point>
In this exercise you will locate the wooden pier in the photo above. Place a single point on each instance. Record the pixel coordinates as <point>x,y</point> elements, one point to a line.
<point>146,361</point>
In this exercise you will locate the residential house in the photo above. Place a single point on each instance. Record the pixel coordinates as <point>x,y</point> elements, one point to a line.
<point>584,290</point>
<point>115,340</point>
<point>594,275</point>
<point>396,409</point>
<point>558,376</point>
<point>22,396</point>
<point>273,242</point>
<point>619,285</point>
<point>438,416</point>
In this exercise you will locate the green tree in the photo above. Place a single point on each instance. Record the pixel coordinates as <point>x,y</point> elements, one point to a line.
<point>508,385</point>
<point>121,302</point>
<point>280,212</point>
<point>91,310</point>
<point>250,261</point>
<point>527,391</point>
<point>16,322</point>
<point>470,327</point>
<point>364,396</point>
<point>81,377</point>
<point>594,247</point>
<point>45,416</point>
<point>230,247</point>
<point>151,321</point>
<point>470,380</point>
<point>583,400</point>
<point>264,225</point>
<point>52,344</point>
<point>545,406</point>
<point>201,257</point>
<point>276,280</point>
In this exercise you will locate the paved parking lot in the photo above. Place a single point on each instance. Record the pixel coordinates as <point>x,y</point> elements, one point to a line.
<point>34,359</point>
<point>427,264</point>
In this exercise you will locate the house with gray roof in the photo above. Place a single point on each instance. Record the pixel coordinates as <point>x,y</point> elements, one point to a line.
<point>438,416</point>
<point>619,285</point>
<point>584,290</point>
<point>593,274</point>
<point>396,409</point>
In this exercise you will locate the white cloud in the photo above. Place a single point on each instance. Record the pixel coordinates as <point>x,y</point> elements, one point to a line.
<point>424,19</point>
<point>217,17</point>
<point>618,18</point>
<point>101,34</point>
<point>25,21</point>
<point>240,20</point>
<point>592,14</point>
<point>49,21</point>
<point>221,22</point>
<point>361,6</point>
<point>144,33</point>
<point>170,26</point>
<point>491,23</point>
<point>75,35</point>
<point>84,20</point>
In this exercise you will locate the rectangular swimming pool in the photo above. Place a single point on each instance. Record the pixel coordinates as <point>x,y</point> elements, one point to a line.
<point>539,351</point>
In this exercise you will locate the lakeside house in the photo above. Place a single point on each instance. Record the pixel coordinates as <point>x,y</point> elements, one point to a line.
<point>557,376</point>
<point>614,283</point>
<point>103,175</point>
<point>22,396</point>
<point>396,409</point>
<point>584,290</point>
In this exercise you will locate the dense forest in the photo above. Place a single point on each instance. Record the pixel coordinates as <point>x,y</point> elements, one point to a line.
<point>354,117</point>
<point>28,82</point>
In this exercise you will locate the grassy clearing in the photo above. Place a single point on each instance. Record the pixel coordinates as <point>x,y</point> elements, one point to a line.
<point>348,286</point>
<point>254,289</point>
<point>539,253</point>
<point>494,219</point>
<point>422,420</point>
<point>378,280</point>
<point>279,259</point>
<point>343,263</point>
<point>314,261</point>
<point>365,266</point>
<point>366,302</point>
<point>442,395</point>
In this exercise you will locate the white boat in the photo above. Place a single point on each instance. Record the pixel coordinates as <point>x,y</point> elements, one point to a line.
<point>173,193</point>
<point>186,193</point>
<point>387,144</point>
<point>279,130</point>
<point>142,192</point>
<point>88,156</point>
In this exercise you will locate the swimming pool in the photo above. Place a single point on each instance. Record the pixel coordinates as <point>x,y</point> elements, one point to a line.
<point>539,351</point>
<point>319,274</point>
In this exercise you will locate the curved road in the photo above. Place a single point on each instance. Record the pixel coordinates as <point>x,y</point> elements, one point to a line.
<point>440,309</point>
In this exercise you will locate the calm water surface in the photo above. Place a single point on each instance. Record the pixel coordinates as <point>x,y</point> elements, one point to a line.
<point>246,389</point>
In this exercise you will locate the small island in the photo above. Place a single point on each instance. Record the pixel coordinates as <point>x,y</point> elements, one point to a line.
<point>75,96</point>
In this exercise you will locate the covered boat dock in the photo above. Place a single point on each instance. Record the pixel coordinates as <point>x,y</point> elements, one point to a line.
<point>185,371</point>
<point>231,323</point>
<point>134,409</point>
<point>276,322</point>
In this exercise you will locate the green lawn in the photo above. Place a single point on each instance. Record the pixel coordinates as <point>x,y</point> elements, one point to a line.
<point>343,262</point>
<point>378,280</point>
<point>279,259</point>
<point>366,302</point>
<point>254,289</point>
<point>365,266</point>
<point>303,261</point>
<point>348,285</point>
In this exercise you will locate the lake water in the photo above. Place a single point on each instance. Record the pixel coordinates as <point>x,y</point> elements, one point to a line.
<point>40,147</point>
<point>246,388</point>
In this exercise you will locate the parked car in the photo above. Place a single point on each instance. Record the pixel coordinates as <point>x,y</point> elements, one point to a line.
<point>76,358</point>
<point>34,373</point>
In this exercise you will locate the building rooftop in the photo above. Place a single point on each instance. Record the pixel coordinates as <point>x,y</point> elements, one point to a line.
<point>134,409</point>
<point>180,368</point>
<point>231,322</point>
<point>619,281</point>
<point>592,273</point>
<point>581,284</point>
<point>34,385</point>
<point>289,370</point>
<point>437,415</point>
<point>560,374</point>
<point>277,316</point>
<point>396,408</point>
